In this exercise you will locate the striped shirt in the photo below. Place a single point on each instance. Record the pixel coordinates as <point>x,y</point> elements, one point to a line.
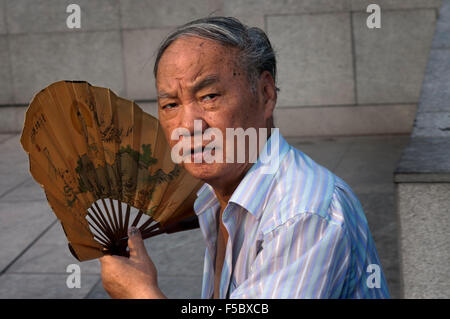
<point>296,232</point>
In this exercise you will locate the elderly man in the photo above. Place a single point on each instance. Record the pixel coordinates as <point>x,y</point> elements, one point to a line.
<point>292,231</point>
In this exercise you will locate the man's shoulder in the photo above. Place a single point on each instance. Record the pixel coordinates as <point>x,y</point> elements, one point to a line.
<point>302,186</point>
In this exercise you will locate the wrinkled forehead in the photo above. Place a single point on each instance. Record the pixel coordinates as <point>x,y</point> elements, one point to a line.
<point>189,58</point>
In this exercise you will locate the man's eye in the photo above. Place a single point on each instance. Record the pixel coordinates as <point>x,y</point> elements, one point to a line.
<point>169,106</point>
<point>209,97</point>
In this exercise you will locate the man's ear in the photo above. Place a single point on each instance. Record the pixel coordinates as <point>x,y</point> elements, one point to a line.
<point>269,93</point>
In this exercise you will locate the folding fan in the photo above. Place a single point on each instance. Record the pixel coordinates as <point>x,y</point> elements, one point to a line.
<point>98,155</point>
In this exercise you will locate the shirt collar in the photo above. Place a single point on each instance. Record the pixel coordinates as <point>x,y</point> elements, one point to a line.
<point>252,190</point>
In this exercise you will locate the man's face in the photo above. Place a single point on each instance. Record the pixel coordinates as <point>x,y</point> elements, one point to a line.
<point>199,79</point>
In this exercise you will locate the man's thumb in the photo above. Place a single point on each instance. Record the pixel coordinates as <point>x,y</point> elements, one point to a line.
<point>135,243</point>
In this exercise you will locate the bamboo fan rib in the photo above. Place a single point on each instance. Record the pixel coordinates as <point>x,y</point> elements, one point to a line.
<point>109,225</point>
<point>99,157</point>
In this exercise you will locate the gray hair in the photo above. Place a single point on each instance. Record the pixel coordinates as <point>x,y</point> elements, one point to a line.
<point>256,53</point>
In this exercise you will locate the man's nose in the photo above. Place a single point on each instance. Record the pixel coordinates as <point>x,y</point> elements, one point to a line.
<point>192,119</point>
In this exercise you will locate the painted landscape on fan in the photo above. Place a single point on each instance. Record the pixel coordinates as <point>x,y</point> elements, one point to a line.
<point>88,147</point>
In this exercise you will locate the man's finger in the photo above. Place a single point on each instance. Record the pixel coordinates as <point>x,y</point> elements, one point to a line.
<point>109,259</point>
<point>135,243</point>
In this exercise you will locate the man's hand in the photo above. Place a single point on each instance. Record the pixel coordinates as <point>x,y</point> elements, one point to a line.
<point>133,277</point>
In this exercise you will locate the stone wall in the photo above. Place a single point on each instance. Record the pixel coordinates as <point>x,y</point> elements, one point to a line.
<point>337,77</point>
<point>423,179</point>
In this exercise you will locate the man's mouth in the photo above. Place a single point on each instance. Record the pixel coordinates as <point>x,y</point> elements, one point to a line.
<point>197,154</point>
